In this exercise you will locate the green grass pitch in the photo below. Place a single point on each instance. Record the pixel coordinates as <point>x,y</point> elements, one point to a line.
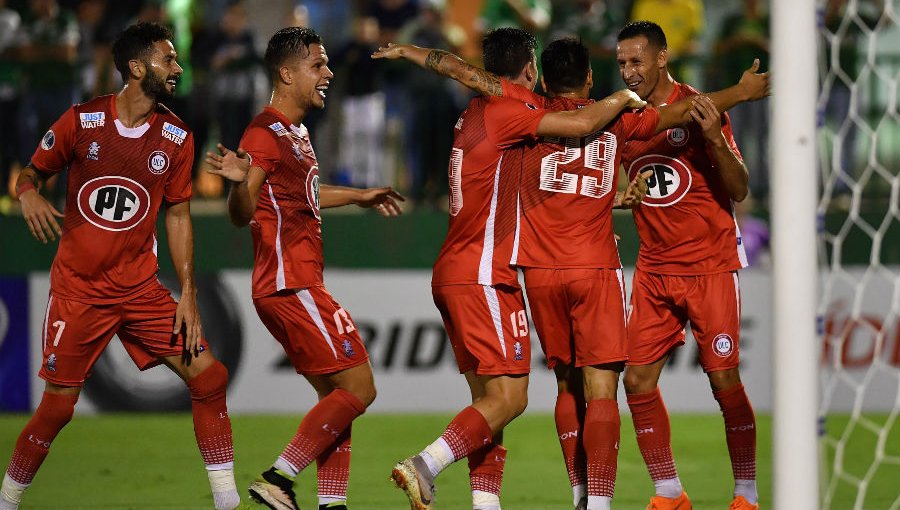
<point>135,461</point>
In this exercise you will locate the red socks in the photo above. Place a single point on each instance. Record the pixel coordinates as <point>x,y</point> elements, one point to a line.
<point>601,443</point>
<point>212,427</point>
<point>740,431</point>
<point>322,426</point>
<point>333,468</point>
<point>568,429</point>
<point>654,435</point>
<point>33,445</point>
<point>468,432</point>
<point>486,468</point>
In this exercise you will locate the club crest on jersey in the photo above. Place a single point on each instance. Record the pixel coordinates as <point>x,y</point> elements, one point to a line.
<point>49,140</point>
<point>51,363</point>
<point>677,136</point>
<point>113,203</point>
<point>94,151</point>
<point>312,189</point>
<point>723,345</point>
<point>279,129</point>
<point>158,162</point>
<point>173,133</point>
<point>517,350</point>
<point>348,348</point>
<point>670,181</point>
<point>90,120</point>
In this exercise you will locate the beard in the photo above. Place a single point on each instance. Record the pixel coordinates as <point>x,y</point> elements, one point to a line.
<point>154,87</point>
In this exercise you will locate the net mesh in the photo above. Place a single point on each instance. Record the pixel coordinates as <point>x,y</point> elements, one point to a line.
<point>859,236</point>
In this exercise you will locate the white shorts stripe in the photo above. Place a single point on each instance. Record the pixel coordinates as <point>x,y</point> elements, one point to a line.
<point>494,306</point>
<point>46,320</point>
<point>621,278</point>
<point>737,292</point>
<point>279,277</point>
<point>309,304</point>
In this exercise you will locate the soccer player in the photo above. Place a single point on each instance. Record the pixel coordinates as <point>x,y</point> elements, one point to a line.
<point>568,249</point>
<point>686,270</point>
<point>473,285</point>
<point>276,191</point>
<point>126,154</point>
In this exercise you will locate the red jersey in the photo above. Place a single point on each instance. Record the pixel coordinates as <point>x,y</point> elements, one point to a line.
<point>286,225</point>
<point>118,178</point>
<point>567,191</point>
<point>483,200</point>
<point>686,222</point>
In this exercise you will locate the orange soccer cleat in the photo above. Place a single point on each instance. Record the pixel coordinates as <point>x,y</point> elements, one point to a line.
<point>682,502</point>
<point>741,503</point>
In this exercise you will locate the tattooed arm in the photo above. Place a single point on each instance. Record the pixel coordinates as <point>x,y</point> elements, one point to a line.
<point>446,64</point>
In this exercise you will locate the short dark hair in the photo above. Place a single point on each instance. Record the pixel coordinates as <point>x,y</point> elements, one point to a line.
<point>288,43</point>
<point>507,51</point>
<point>566,63</point>
<point>653,32</point>
<point>135,43</point>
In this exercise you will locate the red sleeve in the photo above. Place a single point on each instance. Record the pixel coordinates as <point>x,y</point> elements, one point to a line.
<point>178,185</point>
<point>57,147</point>
<point>513,91</point>
<point>729,136</point>
<point>509,121</point>
<point>260,144</point>
<point>640,124</point>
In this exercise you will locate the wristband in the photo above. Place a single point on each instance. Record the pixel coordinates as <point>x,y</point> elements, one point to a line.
<point>22,188</point>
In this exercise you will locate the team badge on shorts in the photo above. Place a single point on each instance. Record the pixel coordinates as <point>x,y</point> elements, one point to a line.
<point>348,349</point>
<point>51,363</point>
<point>677,137</point>
<point>723,345</point>
<point>517,350</point>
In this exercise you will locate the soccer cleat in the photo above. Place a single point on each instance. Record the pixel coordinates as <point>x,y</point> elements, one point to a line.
<point>660,503</point>
<point>274,490</point>
<point>582,504</point>
<point>415,481</point>
<point>741,503</point>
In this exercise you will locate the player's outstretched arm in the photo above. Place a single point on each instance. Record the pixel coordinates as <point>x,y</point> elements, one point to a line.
<point>732,170</point>
<point>446,64</point>
<point>39,214</point>
<point>634,193</point>
<point>384,200</point>
<point>246,180</point>
<point>589,119</point>
<point>180,232</point>
<point>752,87</point>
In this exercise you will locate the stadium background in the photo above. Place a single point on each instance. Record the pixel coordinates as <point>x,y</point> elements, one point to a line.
<point>402,117</point>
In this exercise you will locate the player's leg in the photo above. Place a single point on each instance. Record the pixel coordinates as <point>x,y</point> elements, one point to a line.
<point>324,346</point>
<point>74,335</point>
<point>569,417</point>
<point>486,463</point>
<point>146,334</point>
<point>716,326</point>
<point>655,327</point>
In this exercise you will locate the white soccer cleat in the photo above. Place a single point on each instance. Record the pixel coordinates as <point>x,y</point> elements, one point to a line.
<point>415,482</point>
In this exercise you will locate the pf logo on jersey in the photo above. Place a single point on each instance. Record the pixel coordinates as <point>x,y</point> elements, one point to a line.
<point>723,345</point>
<point>312,190</point>
<point>670,181</point>
<point>113,203</point>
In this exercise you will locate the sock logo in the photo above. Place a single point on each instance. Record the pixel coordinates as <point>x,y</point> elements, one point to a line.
<point>327,428</point>
<point>648,430</point>
<point>572,434</point>
<point>38,441</point>
<point>741,428</point>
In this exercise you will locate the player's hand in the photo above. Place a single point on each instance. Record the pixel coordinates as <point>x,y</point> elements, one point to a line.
<point>392,51</point>
<point>636,190</point>
<point>187,321</point>
<point>632,100</point>
<point>40,216</point>
<point>234,166</point>
<point>384,200</point>
<point>704,111</point>
<point>755,84</point>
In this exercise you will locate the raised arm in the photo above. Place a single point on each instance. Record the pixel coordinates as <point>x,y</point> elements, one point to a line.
<point>752,86</point>
<point>589,119</point>
<point>246,181</point>
<point>445,64</point>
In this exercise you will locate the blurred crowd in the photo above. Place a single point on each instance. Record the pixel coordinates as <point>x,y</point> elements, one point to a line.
<point>386,122</point>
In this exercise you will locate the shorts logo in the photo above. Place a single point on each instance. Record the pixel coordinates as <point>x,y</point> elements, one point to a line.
<point>723,345</point>
<point>113,203</point>
<point>677,136</point>
<point>94,151</point>
<point>173,133</point>
<point>158,162</point>
<point>51,363</point>
<point>348,348</point>
<point>48,141</point>
<point>91,120</point>
<point>671,179</point>
<point>517,349</point>
<point>312,190</point>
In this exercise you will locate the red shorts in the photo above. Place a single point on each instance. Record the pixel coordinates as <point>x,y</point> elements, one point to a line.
<point>488,328</point>
<point>661,305</point>
<point>75,334</point>
<point>579,314</point>
<point>317,334</point>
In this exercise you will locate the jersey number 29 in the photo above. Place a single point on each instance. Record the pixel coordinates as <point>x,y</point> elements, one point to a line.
<point>599,154</point>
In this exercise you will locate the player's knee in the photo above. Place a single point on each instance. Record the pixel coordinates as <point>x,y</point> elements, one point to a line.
<point>637,382</point>
<point>367,394</point>
<point>209,383</point>
<point>58,408</point>
<point>722,380</point>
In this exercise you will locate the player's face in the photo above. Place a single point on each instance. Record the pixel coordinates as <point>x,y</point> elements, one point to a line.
<point>312,77</point>
<point>162,73</point>
<point>639,65</point>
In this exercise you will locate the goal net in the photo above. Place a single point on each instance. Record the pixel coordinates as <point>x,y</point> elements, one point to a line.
<point>859,253</point>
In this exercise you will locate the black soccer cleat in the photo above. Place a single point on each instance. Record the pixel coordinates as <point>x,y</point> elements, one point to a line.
<point>275,490</point>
